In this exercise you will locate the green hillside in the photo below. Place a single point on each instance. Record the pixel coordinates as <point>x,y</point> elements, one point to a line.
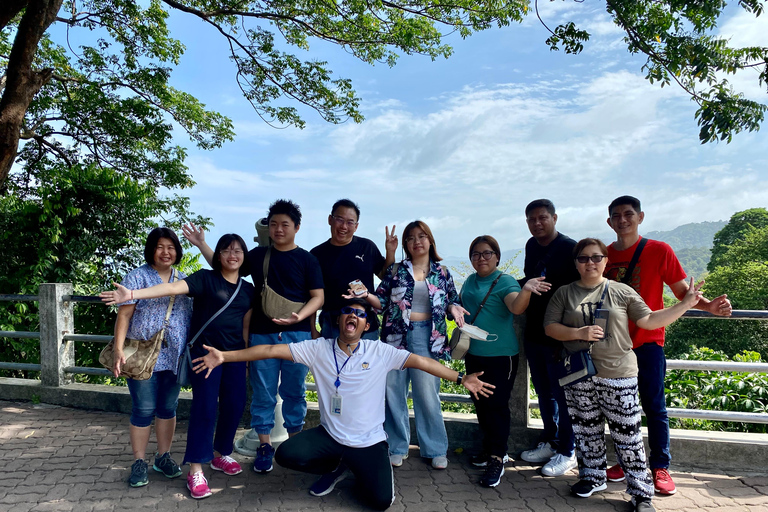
<point>694,235</point>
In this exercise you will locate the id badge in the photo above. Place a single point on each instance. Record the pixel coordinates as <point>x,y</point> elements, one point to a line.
<point>336,402</point>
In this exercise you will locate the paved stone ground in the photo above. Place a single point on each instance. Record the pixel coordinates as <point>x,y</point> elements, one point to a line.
<point>62,459</point>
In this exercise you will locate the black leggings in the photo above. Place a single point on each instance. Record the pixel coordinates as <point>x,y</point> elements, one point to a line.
<point>315,451</point>
<point>493,410</point>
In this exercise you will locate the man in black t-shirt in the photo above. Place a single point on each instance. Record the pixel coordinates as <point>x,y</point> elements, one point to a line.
<point>550,254</point>
<point>295,275</point>
<point>345,258</point>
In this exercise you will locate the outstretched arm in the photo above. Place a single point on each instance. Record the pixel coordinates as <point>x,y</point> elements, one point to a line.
<point>471,382</point>
<point>666,316</point>
<point>719,306</point>
<point>517,302</point>
<point>123,294</point>
<point>215,357</point>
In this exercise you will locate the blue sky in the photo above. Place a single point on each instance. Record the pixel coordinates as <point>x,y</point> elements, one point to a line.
<point>466,143</point>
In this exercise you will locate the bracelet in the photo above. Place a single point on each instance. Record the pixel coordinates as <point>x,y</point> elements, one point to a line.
<point>131,294</point>
<point>459,378</point>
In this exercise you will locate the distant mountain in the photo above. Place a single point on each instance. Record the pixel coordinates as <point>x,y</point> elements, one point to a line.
<point>699,234</point>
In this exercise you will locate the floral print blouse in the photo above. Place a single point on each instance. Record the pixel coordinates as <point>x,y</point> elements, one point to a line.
<point>396,296</point>
<point>149,314</point>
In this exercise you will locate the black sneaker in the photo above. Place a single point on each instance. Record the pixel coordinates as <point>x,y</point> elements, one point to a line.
<point>166,465</point>
<point>643,504</point>
<point>139,477</point>
<point>585,488</point>
<point>481,460</point>
<point>328,481</point>
<point>263,461</point>
<point>493,472</point>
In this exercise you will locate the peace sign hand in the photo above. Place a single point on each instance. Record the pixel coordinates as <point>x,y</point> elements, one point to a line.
<point>390,241</point>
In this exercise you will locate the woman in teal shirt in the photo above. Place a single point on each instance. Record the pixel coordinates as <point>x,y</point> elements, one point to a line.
<point>498,359</point>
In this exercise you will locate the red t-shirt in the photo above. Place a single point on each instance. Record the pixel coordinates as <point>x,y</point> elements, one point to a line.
<point>657,265</point>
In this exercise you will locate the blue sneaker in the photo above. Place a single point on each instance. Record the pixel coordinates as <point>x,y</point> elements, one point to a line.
<point>328,481</point>
<point>263,461</point>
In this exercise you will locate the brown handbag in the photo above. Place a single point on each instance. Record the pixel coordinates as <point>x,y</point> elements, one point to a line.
<point>140,355</point>
<point>273,304</point>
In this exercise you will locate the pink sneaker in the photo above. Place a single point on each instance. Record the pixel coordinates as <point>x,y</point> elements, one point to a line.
<point>226,464</point>
<point>198,485</point>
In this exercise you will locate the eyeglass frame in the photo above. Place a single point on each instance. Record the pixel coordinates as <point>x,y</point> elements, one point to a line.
<point>483,254</point>
<point>342,221</point>
<point>412,238</point>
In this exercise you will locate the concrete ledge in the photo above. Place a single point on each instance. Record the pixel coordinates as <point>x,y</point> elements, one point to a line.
<point>704,449</point>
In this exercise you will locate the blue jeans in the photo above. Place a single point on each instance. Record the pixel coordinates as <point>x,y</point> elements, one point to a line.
<point>156,396</point>
<point>329,328</point>
<point>558,431</point>
<point>652,370</point>
<point>265,375</point>
<point>223,392</point>
<point>430,429</point>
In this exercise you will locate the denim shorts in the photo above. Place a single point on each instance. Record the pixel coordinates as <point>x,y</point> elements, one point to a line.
<point>156,396</point>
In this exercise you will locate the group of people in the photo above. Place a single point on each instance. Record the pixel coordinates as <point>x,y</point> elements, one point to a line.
<point>363,370</point>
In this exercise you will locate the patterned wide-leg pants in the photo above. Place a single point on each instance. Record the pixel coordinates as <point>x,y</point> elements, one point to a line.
<point>590,403</point>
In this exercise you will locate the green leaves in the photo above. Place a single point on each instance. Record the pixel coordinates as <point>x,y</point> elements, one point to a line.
<point>726,391</point>
<point>676,38</point>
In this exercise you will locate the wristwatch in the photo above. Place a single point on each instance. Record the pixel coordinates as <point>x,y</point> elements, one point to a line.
<point>459,378</point>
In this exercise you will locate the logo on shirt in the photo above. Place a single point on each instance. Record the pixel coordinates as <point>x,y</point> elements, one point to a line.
<point>361,257</point>
<point>365,366</point>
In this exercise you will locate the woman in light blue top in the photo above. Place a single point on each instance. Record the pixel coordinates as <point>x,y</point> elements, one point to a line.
<point>157,397</point>
<point>497,359</point>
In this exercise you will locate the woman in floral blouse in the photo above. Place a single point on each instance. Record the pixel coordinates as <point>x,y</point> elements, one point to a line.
<point>157,397</point>
<point>415,296</point>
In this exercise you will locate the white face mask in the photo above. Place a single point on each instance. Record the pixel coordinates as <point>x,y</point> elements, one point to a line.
<point>478,333</point>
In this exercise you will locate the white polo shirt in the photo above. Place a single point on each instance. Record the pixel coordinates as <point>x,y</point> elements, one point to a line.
<point>363,385</point>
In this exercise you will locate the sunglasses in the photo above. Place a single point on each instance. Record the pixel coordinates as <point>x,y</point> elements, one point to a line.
<point>359,313</point>
<point>596,258</point>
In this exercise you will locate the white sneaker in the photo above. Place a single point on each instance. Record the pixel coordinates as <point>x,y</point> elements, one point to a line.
<point>559,465</point>
<point>397,460</point>
<point>542,453</point>
<point>440,462</point>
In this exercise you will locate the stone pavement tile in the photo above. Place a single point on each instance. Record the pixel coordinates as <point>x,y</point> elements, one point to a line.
<point>54,506</point>
<point>759,500</point>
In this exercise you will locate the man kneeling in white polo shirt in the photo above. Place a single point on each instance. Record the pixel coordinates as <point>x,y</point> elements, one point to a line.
<point>351,377</point>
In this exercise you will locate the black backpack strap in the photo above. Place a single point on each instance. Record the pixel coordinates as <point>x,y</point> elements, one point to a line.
<point>633,262</point>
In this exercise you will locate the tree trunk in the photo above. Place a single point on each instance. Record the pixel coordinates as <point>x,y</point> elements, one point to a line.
<point>22,81</point>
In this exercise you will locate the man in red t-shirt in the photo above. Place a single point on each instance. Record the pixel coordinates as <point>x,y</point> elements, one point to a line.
<point>656,265</point>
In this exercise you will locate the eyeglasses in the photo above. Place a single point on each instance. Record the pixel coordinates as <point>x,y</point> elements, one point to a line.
<point>475,256</point>
<point>359,313</point>
<point>236,252</point>
<point>596,258</point>
<point>342,221</point>
<point>411,239</point>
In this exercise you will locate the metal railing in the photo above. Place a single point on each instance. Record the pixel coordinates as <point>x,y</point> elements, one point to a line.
<point>57,338</point>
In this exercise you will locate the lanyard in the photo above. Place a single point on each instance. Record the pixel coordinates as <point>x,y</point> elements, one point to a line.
<point>336,361</point>
<point>591,320</point>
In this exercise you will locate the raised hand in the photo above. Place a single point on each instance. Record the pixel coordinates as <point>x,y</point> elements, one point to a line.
<point>477,386</point>
<point>694,294</point>
<point>209,361</point>
<point>294,318</point>
<point>195,235</point>
<point>390,241</point>
<point>458,313</point>
<point>537,285</point>
<point>118,296</point>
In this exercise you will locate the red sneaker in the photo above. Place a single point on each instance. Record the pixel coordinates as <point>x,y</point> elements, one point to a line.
<point>662,482</point>
<point>226,464</point>
<point>615,473</point>
<point>198,485</point>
